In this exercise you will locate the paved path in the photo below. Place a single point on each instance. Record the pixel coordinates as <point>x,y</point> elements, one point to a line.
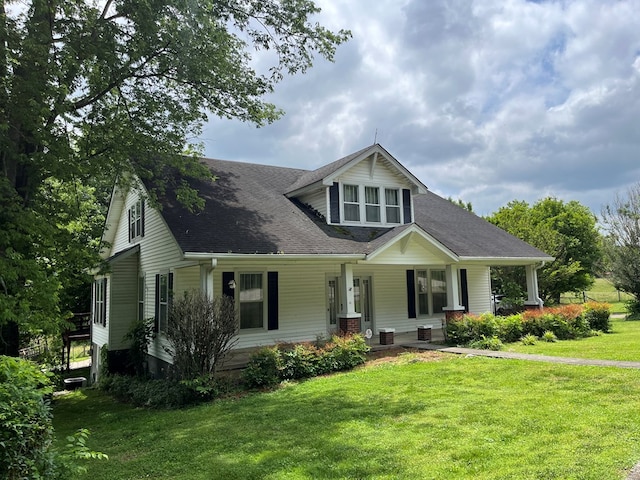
<point>525,356</point>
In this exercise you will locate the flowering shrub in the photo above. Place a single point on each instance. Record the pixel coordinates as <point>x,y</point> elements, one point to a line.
<point>564,322</point>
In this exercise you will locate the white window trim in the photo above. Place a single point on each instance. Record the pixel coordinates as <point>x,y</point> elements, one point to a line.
<point>362,205</point>
<point>265,296</point>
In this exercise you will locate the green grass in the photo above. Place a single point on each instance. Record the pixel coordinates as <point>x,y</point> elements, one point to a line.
<point>453,418</point>
<point>621,344</point>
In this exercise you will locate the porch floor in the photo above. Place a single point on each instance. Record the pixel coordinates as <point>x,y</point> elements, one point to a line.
<point>239,358</point>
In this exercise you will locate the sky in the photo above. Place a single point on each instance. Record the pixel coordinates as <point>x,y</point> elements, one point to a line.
<point>486,101</point>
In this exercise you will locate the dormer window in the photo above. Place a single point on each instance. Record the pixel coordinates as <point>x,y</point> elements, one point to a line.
<point>380,206</point>
<point>136,220</point>
<point>351,203</point>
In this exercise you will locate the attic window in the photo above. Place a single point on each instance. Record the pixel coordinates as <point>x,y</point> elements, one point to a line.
<point>351,203</point>
<point>136,220</point>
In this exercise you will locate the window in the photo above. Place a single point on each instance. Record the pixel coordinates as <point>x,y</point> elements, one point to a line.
<point>141,288</point>
<point>164,292</point>
<point>372,204</point>
<point>351,203</point>
<point>431,288</point>
<point>251,301</point>
<point>136,220</point>
<point>100,302</point>
<point>392,202</point>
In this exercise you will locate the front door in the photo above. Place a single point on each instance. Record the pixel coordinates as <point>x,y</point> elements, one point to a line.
<point>362,302</point>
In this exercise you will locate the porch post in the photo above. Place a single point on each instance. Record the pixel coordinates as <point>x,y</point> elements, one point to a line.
<point>206,278</point>
<point>533,301</point>
<point>453,308</point>
<point>349,318</point>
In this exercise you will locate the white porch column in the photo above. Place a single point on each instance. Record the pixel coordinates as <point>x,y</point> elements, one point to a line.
<point>533,300</point>
<point>453,288</point>
<point>349,318</point>
<point>206,277</point>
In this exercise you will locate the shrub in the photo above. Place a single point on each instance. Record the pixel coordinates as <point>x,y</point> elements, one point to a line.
<point>200,333</point>
<point>487,343</point>
<point>549,336</point>
<point>510,328</point>
<point>263,369</point>
<point>140,334</point>
<point>26,431</point>
<point>598,316</point>
<point>529,339</point>
<point>270,365</point>
<point>633,309</point>
<point>150,393</point>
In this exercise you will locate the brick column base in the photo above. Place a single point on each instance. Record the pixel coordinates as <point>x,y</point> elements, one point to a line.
<point>349,326</point>
<point>453,314</point>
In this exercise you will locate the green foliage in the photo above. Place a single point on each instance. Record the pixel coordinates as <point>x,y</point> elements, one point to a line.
<point>269,366</point>
<point>163,394</point>
<point>26,430</point>
<point>563,322</point>
<point>549,336</point>
<point>94,91</point>
<point>487,343</point>
<point>621,222</point>
<point>263,369</point>
<point>140,334</point>
<point>529,339</point>
<point>633,309</point>
<point>566,231</point>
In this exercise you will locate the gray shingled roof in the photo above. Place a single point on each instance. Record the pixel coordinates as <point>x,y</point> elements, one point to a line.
<point>247,212</point>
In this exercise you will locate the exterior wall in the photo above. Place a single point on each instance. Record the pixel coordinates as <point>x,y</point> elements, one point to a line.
<point>100,334</point>
<point>382,175</point>
<point>416,251</point>
<point>122,301</point>
<point>317,200</point>
<point>479,288</point>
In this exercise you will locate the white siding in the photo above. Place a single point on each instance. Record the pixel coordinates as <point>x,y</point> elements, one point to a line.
<point>479,288</point>
<point>123,301</point>
<point>415,251</point>
<point>317,201</point>
<point>360,174</point>
<point>186,280</point>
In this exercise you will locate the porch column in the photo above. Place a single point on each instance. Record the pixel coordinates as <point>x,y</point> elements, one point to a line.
<point>206,278</point>
<point>349,319</point>
<point>453,308</point>
<point>533,301</point>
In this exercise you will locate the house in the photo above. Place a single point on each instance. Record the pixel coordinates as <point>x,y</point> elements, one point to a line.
<point>358,244</point>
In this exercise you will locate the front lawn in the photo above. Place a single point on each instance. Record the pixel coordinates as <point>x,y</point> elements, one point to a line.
<point>621,344</point>
<point>429,416</point>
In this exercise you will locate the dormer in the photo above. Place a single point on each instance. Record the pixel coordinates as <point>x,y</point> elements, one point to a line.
<point>368,188</point>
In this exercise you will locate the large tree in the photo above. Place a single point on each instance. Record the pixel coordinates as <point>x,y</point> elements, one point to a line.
<point>621,221</point>
<point>93,89</point>
<point>566,231</point>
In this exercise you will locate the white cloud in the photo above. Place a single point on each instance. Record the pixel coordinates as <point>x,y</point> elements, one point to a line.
<point>486,100</point>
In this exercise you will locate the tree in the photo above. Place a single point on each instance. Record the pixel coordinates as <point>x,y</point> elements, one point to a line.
<point>621,221</point>
<point>462,204</point>
<point>90,90</point>
<point>566,231</point>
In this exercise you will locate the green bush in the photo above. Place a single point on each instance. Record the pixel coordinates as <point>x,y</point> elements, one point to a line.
<point>150,393</point>
<point>598,316</point>
<point>263,369</point>
<point>510,328</point>
<point>268,366</point>
<point>529,339</point>
<point>549,337</point>
<point>26,432</point>
<point>633,309</point>
<point>487,343</point>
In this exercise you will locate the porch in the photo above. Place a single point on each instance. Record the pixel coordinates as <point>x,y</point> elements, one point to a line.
<point>239,358</point>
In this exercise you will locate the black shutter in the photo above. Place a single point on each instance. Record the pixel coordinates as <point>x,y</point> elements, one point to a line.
<point>104,303</point>
<point>334,202</point>
<point>464,289</point>
<point>142,217</point>
<point>406,206</point>
<point>129,225</point>
<point>411,293</point>
<point>170,292</point>
<point>156,317</point>
<point>227,278</point>
<point>272,307</point>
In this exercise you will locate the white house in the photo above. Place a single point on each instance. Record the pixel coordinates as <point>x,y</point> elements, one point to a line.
<point>358,244</point>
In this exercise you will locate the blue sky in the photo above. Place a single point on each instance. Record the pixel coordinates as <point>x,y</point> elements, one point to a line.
<point>484,100</point>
